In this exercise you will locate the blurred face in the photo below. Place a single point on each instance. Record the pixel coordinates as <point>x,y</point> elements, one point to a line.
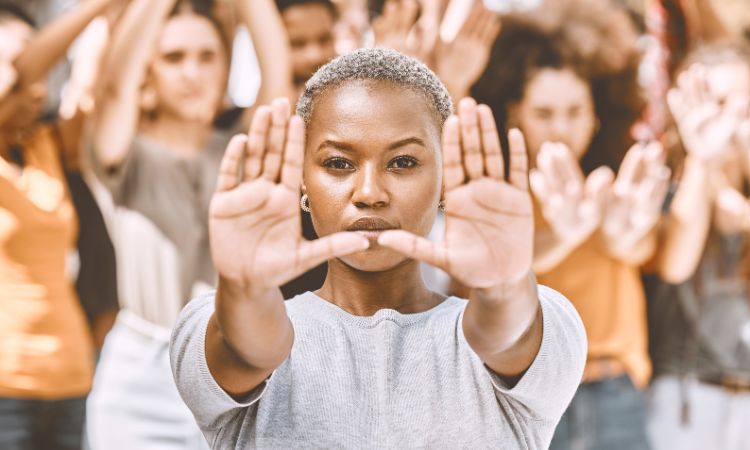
<point>189,72</point>
<point>310,28</point>
<point>372,163</point>
<point>28,105</point>
<point>557,106</point>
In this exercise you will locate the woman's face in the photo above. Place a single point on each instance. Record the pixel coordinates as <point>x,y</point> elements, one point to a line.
<point>373,162</point>
<point>557,106</point>
<point>190,68</point>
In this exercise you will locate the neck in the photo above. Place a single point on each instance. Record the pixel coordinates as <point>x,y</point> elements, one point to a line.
<point>185,138</point>
<point>364,293</point>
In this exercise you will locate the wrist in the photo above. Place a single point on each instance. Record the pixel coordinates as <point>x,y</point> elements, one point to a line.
<point>520,287</point>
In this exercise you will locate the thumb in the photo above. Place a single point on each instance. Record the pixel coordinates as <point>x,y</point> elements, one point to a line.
<point>314,253</point>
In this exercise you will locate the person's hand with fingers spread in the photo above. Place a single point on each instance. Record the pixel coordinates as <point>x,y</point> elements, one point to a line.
<point>256,238</point>
<point>398,28</point>
<point>571,205</point>
<point>460,63</point>
<point>705,122</point>
<point>489,229</point>
<point>634,205</point>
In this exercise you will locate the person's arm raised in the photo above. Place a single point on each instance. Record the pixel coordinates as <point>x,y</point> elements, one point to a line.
<point>118,108</point>
<point>488,241</point>
<point>257,245</point>
<point>45,49</point>
<point>263,21</point>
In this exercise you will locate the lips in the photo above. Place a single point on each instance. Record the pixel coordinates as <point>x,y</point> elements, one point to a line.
<point>371,227</point>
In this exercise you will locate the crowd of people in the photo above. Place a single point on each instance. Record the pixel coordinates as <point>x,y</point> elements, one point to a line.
<point>117,120</point>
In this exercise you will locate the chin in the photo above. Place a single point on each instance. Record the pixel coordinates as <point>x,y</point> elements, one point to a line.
<point>378,259</point>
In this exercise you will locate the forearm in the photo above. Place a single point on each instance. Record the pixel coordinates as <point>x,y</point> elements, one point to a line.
<point>687,224</point>
<point>46,48</point>
<point>127,59</point>
<point>263,21</point>
<point>503,325</point>
<point>248,337</point>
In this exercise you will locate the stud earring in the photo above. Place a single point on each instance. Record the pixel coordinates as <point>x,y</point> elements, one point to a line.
<point>441,205</point>
<point>304,203</point>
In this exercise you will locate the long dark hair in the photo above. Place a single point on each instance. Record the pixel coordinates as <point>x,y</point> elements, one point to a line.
<point>597,43</point>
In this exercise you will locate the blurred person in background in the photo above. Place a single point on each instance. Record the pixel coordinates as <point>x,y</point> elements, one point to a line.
<point>566,75</point>
<point>700,311</point>
<point>156,152</point>
<point>46,350</point>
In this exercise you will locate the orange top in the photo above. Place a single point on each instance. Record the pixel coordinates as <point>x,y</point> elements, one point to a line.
<point>45,347</point>
<point>608,295</point>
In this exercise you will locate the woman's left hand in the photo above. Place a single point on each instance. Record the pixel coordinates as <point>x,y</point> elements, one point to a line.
<point>489,225</point>
<point>634,205</point>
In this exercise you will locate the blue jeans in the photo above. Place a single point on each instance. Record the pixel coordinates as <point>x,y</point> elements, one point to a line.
<point>42,424</point>
<point>607,415</point>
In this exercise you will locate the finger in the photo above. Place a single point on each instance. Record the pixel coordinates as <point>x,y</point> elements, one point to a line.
<point>408,15</point>
<point>229,169</point>
<point>291,172</point>
<point>630,170</point>
<point>314,253</point>
<point>539,186</point>
<point>470,139</point>
<point>453,170</point>
<point>256,142</point>
<point>568,168</point>
<point>545,164</point>
<point>470,24</point>
<point>415,247</point>
<point>519,160</point>
<point>599,184</point>
<point>490,31</point>
<point>276,139</point>
<point>493,155</point>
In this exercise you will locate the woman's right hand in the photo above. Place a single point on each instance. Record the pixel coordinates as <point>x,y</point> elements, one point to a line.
<point>706,123</point>
<point>571,204</point>
<point>254,217</point>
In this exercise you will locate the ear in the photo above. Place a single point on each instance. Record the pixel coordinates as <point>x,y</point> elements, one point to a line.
<point>149,100</point>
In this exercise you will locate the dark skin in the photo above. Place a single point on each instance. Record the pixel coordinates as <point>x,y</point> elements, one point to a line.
<point>310,30</point>
<point>375,168</point>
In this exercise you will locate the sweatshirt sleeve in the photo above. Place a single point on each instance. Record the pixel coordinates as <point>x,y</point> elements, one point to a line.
<point>546,389</point>
<point>212,407</point>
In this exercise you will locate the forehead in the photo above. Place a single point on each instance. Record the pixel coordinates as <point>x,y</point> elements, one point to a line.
<point>373,110</point>
<point>556,87</point>
<point>189,31</point>
<point>309,19</point>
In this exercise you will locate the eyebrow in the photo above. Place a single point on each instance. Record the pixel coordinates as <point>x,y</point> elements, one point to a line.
<point>348,148</point>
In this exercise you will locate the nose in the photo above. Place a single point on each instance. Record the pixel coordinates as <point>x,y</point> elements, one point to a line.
<point>190,69</point>
<point>369,191</point>
<point>314,55</point>
<point>559,128</point>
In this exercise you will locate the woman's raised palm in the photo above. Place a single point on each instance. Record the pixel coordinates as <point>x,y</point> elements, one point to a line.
<point>489,221</point>
<point>254,218</point>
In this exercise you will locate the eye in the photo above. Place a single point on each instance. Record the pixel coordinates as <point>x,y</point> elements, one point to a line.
<point>403,162</point>
<point>173,57</point>
<point>338,164</point>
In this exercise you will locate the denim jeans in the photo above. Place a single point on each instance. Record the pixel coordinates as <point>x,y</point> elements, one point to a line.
<point>607,415</point>
<point>42,424</point>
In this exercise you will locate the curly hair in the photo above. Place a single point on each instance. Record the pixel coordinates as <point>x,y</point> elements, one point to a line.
<point>594,39</point>
<point>377,64</point>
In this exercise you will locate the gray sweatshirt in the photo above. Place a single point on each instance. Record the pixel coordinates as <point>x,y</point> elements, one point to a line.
<point>390,380</point>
